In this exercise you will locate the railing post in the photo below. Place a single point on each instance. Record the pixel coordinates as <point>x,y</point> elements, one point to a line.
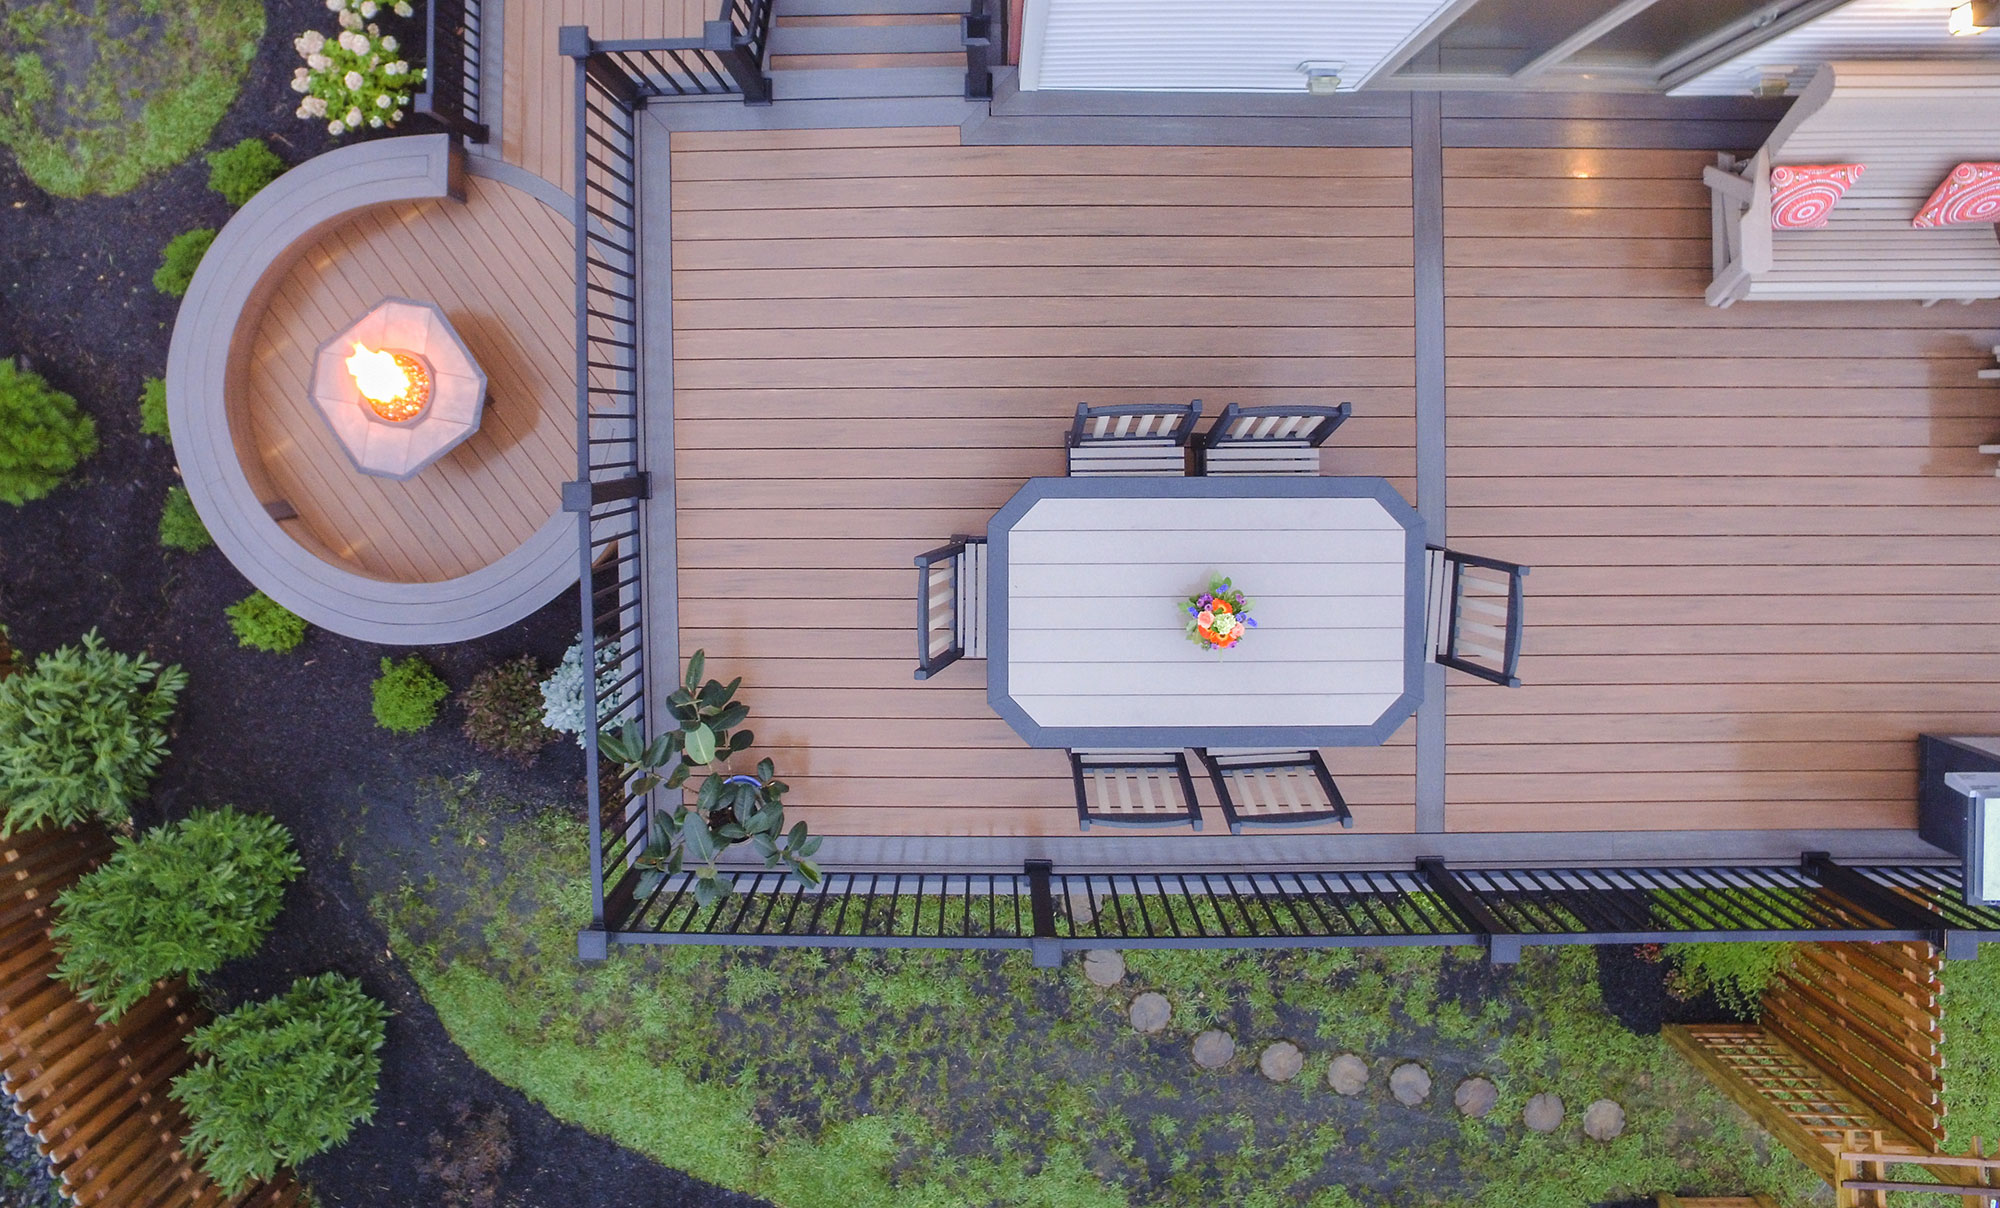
<point>1503,946</point>
<point>734,50</point>
<point>1046,945</point>
<point>1886,904</point>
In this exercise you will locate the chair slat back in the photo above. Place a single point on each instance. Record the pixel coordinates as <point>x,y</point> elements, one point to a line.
<point>939,608</point>
<point>1475,613</point>
<point>1274,788</point>
<point>1133,788</point>
<point>1162,424</point>
<point>1308,426</point>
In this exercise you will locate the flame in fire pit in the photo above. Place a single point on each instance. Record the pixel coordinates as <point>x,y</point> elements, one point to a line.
<point>395,385</point>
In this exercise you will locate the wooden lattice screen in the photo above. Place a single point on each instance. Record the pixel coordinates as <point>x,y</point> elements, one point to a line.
<point>1867,1015</point>
<point>95,1096</point>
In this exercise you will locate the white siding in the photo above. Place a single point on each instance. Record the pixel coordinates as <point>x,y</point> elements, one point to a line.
<point>1861,29</point>
<point>1211,46</point>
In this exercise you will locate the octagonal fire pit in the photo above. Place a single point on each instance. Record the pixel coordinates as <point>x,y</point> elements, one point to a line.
<point>398,388</point>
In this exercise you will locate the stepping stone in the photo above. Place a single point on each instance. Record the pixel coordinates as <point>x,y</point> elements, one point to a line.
<point>1348,1075</point>
<point>1213,1049</point>
<point>1410,1083</point>
<point>1281,1061</point>
<point>1544,1113</point>
<point>1104,967</point>
<point>1603,1120</point>
<point>1081,909</point>
<point>1150,1012</point>
<point>1475,1097</point>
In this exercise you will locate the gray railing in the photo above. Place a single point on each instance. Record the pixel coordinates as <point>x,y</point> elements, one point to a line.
<point>984,31</point>
<point>1049,913</point>
<point>451,95</point>
<point>726,61</point>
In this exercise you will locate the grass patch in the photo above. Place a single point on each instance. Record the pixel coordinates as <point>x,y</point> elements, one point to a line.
<point>1972,1048</point>
<point>94,97</point>
<point>918,1078</point>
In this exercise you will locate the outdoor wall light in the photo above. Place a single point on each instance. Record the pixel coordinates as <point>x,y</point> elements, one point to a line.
<point>1322,75</point>
<point>1974,17</point>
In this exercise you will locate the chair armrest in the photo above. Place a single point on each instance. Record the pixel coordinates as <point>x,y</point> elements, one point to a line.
<point>1729,184</point>
<point>1756,232</point>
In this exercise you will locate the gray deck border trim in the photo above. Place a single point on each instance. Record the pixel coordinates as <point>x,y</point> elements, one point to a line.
<point>213,327</point>
<point>1355,849</point>
<point>658,516</point>
<point>1000,530</point>
<point>1427,217</point>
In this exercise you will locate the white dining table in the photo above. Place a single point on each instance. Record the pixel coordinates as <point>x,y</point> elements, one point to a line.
<point>1086,611</point>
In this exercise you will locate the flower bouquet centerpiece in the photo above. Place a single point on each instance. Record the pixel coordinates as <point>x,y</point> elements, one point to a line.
<point>1218,617</point>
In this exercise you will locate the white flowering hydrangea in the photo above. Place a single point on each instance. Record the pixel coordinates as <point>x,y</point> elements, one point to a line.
<point>358,77</point>
<point>562,692</point>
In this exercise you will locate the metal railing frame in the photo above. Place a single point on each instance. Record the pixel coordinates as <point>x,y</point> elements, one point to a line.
<point>451,95</point>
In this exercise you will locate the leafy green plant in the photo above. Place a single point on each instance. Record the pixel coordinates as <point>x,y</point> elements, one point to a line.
<point>1737,973</point>
<point>262,623</point>
<point>153,409</point>
<point>728,808</point>
<point>241,171</point>
<point>180,258</point>
<point>284,1079</point>
<point>357,78</point>
<point>42,435</point>
<point>81,733</point>
<point>180,525</point>
<point>407,695</point>
<point>177,901</point>
<point>503,710</point>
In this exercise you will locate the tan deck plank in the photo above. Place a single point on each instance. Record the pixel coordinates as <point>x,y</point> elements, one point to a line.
<point>1331,314</point>
<point>918,343</point>
<point>1055,280</point>
<point>746,140</point>
<point>1010,191</point>
<point>1119,163</point>
<point>1048,402</point>
<point>1106,221</point>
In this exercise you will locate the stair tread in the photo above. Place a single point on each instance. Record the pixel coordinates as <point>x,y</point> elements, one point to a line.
<point>869,8</point>
<point>867,39</point>
<point>831,83</point>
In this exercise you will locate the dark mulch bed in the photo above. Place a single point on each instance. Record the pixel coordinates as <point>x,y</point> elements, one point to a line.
<point>289,734</point>
<point>1635,992</point>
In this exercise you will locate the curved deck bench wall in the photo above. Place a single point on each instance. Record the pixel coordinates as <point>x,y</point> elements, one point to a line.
<point>224,473</point>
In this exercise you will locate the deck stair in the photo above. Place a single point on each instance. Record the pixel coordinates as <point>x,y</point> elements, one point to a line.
<point>872,49</point>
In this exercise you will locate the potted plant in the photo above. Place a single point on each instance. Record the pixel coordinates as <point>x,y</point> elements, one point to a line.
<point>729,808</point>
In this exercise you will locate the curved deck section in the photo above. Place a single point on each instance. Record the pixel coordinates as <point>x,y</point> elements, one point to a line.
<point>477,541</point>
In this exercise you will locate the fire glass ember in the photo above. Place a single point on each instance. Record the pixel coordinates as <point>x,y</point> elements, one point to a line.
<point>395,385</point>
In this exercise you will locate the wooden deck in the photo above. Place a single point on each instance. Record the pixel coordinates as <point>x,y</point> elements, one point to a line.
<point>1761,538</point>
<point>500,266</point>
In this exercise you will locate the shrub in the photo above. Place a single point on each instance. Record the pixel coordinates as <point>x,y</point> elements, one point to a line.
<point>503,710</point>
<point>407,695</point>
<point>153,409</point>
<point>180,525</point>
<point>1737,973</point>
<point>358,77</point>
<point>284,1079</point>
<point>177,901</point>
<point>81,734</point>
<point>42,435</point>
<point>262,623</point>
<point>239,172</point>
<point>179,260</point>
<point>470,1166</point>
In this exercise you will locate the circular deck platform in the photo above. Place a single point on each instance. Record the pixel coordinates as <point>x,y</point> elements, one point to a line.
<point>472,543</point>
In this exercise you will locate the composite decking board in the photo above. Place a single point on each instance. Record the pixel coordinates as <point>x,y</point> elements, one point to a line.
<point>944,192</point>
<point>1103,221</point>
<point>1048,280</point>
<point>537,128</point>
<point>490,262</point>
<point>903,314</point>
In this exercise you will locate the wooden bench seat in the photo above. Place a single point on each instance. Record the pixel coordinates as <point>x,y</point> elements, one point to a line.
<point>1908,124</point>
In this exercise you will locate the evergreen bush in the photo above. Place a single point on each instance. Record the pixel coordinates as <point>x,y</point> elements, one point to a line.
<point>177,901</point>
<point>81,733</point>
<point>283,1079</point>
<point>241,171</point>
<point>503,710</point>
<point>153,409</point>
<point>42,435</point>
<point>262,623</point>
<point>407,695</point>
<point>180,525</point>
<point>179,259</point>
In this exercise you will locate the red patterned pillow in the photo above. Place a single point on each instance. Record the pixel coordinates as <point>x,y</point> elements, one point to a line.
<point>1802,196</point>
<point>1970,194</point>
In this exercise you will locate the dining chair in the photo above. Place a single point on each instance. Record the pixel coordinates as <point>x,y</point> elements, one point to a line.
<point>1274,788</point>
<point>1475,614</point>
<point>1138,439</point>
<point>1267,440</point>
<point>1133,788</point>
<point>951,604</point>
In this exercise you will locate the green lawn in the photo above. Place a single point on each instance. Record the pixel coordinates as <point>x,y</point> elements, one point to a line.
<point>838,1080</point>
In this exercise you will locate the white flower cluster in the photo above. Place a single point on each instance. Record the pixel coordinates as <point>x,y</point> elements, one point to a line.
<point>562,692</point>
<point>357,78</point>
